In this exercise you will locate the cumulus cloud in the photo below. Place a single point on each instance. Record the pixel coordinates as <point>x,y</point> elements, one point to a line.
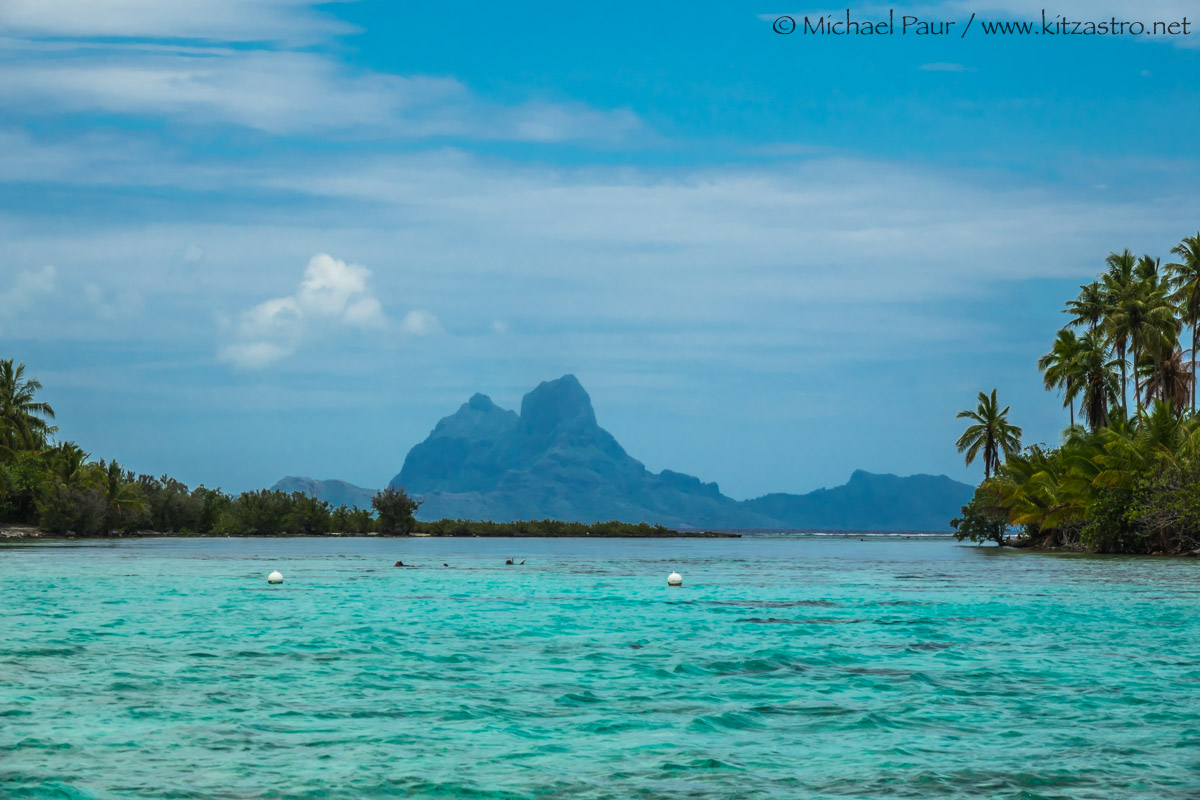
<point>329,285</point>
<point>332,296</point>
<point>366,312</point>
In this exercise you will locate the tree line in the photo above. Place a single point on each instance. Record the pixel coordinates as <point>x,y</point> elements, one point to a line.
<point>1125,477</point>
<point>58,487</point>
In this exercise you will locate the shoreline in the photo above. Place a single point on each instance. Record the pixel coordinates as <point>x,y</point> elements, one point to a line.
<point>1083,551</point>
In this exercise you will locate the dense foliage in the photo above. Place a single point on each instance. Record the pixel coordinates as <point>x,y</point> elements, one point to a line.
<point>60,491</point>
<point>56,487</point>
<point>1123,480</point>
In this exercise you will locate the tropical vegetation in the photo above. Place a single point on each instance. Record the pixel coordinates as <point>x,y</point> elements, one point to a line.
<point>1125,477</point>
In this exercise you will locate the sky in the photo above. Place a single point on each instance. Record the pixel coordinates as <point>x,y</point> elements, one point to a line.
<point>243,239</point>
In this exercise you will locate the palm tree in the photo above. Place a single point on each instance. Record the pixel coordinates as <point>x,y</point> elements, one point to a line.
<point>991,433</point>
<point>1118,282</point>
<point>23,424</point>
<point>1097,378</point>
<point>1143,315</point>
<point>1059,370</point>
<point>1090,307</point>
<point>68,463</point>
<point>1148,269</point>
<point>1168,380</point>
<point>121,491</point>
<point>1185,279</point>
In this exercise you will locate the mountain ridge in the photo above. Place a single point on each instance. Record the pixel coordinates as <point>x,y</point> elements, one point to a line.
<point>553,460</point>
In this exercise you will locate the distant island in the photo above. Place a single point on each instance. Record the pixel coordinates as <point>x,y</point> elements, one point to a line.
<point>1126,476</point>
<point>553,460</point>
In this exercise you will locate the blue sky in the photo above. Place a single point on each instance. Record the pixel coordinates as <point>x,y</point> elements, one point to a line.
<point>247,238</point>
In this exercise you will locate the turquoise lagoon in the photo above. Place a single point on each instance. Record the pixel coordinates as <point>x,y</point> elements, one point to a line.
<point>786,667</point>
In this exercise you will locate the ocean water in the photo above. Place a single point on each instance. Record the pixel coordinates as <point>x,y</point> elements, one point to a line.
<point>785,667</point>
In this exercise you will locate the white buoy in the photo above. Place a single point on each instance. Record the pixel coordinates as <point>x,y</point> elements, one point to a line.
<point>674,579</point>
<point>275,577</point>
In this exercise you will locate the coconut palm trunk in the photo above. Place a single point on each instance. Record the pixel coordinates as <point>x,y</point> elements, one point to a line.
<point>1185,279</point>
<point>1137,384</point>
<point>1124,386</point>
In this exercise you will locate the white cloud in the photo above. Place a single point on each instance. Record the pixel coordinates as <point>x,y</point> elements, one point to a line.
<point>219,20</point>
<point>275,317</point>
<point>769,255</point>
<point>332,295</point>
<point>365,313</point>
<point>329,284</point>
<point>829,223</point>
<point>500,326</point>
<point>277,90</point>
<point>833,227</point>
<point>254,355</point>
<point>420,323</point>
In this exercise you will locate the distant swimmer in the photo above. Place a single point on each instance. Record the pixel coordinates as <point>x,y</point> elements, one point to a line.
<point>445,565</point>
<point>508,563</point>
<point>399,564</point>
<point>402,564</point>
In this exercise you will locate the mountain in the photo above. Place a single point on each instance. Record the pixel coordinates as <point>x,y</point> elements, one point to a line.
<point>870,502</point>
<point>335,493</point>
<point>553,460</point>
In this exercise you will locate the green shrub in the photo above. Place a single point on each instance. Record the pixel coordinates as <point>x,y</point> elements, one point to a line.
<point>981,521</point>
<point>396,510</point>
